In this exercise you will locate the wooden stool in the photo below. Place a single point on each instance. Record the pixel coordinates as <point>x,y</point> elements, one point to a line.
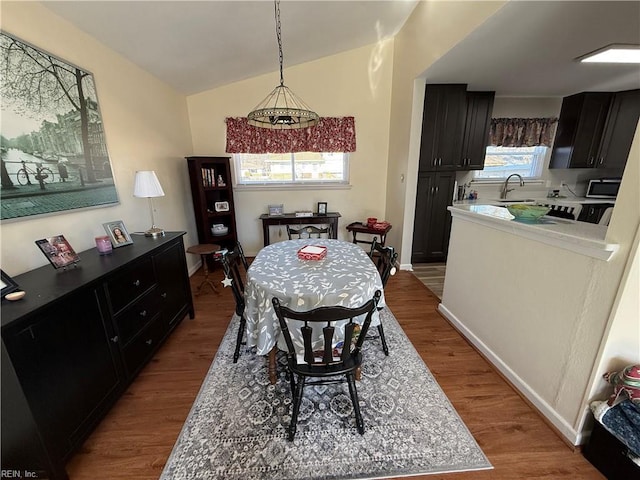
<point>203,250</point>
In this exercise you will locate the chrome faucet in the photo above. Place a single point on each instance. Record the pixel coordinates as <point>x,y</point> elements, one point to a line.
<point>505,190</point>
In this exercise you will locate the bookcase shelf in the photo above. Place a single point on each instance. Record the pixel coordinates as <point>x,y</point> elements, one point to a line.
<point>210,179</point>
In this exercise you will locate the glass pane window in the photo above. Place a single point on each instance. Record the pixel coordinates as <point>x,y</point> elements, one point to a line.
<point>299,168</point>
<point>500,162</point>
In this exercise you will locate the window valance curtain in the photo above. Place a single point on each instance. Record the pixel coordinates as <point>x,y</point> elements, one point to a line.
<point>331,134</point>
<point>522,132</point>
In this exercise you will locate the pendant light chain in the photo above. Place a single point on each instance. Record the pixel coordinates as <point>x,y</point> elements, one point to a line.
<point>279,37</point>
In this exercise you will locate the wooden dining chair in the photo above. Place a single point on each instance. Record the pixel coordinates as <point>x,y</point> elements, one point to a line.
<point>322,361</point>
<point>231,265</point>
<point>384,259</point>
<point>243,259</point>
<point>309,231</point>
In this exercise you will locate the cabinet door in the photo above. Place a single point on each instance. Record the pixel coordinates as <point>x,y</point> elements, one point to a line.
<point>580,128</point>
<point>67,369</point>
<point>173,284</point>
<point>432,223</point>
<point>476,130</point>
<point>619,130</point>
<point>442,126</point>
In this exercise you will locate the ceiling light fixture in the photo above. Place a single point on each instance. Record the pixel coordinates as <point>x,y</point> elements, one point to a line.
<point>613,54</point>
<point>282,109</point>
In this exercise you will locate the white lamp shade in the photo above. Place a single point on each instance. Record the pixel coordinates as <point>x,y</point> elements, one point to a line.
<point>146,185</point>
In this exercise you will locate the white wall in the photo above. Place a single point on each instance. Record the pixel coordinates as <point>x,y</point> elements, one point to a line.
<point>146,127</point>
<point>346,84</point>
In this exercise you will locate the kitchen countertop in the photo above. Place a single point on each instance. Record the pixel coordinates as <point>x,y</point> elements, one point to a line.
<point>579,237</point>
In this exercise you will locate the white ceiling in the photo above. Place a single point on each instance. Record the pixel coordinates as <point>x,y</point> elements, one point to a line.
<point>527,48</point>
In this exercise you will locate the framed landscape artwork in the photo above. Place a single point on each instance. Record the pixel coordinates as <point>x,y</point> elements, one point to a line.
<point>54,153</point>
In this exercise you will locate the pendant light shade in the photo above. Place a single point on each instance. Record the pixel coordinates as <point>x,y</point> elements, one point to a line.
<point>282,109</point>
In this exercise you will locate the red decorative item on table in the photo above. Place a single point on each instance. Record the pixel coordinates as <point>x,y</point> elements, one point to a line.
<point>371,221</point>
<point>312,252</point>
<point>380,225</point>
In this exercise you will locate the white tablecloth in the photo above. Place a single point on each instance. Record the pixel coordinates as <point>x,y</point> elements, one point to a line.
<point>346,277</point>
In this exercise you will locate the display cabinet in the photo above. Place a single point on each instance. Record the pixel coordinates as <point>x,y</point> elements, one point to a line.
<point>212,195</point>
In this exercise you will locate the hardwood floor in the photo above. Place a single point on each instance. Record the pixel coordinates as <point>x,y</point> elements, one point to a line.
<point>136,437</point>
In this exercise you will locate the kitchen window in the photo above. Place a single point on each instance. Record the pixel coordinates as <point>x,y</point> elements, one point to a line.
<point>500,162</point>
<point>292,169</point>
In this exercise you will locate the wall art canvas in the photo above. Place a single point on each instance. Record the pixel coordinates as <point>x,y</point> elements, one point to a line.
<point>54,154</point>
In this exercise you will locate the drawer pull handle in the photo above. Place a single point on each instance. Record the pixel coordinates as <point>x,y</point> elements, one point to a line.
<point>149,342</point>
<point>115,339</point>
<point>163,295</point>
<point>136,283</point>
<point>143,313</point>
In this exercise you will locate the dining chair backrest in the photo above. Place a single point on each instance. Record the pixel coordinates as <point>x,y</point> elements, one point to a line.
<point>231,265</point>
<point>243,259</point>
<point>327,357</point>
<point>385,260</point>
<point>310,231</point>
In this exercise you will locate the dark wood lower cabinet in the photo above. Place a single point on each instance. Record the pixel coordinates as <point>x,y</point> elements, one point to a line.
<point>76,341</point>
<point>432,222</point>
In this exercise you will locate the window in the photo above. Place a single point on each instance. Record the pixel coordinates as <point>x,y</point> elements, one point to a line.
<point>299,168</point>
<point>500,162</point>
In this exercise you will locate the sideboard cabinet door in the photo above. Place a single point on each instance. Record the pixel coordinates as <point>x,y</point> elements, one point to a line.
<point>173,284</point>
<point>67,366</point>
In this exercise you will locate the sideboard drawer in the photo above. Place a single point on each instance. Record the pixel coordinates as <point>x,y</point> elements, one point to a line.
<point>135,317</point>
<point>143,346</point>
<point>126,286</point>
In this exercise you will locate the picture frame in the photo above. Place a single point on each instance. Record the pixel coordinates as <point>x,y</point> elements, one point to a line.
<point>322,208</point>
<point>117,233</point>
<point>8,284</point>
<point>58,251</point>
<point>221,206</point>
<point>50,131</point>
<point>276,210</point>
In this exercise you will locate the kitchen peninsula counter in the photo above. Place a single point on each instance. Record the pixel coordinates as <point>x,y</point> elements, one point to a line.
<point>578,237</point>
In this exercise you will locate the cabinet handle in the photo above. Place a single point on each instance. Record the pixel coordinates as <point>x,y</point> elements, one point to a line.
<point>149,342</point>
<point>115,339</point>
<point>591,161</point>
<point>601,160</point>
<point>437,188</point>
<point>163,295</point>
<point>439,161</point>
<point>143,313</point>
<point>435,161</point>
<point>136,283</point>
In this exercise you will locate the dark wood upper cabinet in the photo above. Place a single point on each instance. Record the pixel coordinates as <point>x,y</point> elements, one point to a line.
<point>476,130</point>
<point>619,130</point>
<point>442,126</point>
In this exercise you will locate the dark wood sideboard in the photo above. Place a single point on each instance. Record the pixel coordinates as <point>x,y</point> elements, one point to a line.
<point>330,218</point>
<point>75,342</point>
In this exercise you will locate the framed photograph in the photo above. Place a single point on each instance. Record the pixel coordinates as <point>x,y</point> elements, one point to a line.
<point>276,210</point>
<point>58,251</point>
<point>117,233</point>
<point>7,283</point>
<point>322,208</point>
<point>56,142</point>
<point>221,206</point>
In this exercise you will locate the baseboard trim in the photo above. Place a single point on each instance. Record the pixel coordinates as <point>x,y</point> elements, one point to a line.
<point>563,428</point>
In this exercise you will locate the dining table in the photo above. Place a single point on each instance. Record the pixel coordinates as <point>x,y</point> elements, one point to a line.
<point>346,276</point>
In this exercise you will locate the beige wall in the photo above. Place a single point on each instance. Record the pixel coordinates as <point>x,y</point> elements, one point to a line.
<point>340,85</point>
<point>146,128</point>
<point>433,28</point>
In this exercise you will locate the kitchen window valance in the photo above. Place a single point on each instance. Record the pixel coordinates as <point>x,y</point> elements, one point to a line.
<point>331,134</point>
<point>522,132</point>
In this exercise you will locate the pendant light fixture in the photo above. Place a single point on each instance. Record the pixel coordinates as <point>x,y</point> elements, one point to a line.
<point>282,109</point>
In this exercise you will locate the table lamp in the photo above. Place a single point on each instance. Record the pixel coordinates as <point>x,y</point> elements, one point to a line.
<point>146,185</point>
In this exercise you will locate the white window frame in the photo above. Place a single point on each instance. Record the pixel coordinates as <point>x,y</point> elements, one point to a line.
<point>290,184</point>
<point>535,170</point>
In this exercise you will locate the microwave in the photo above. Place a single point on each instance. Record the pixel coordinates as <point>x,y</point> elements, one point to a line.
<point>603,188</point>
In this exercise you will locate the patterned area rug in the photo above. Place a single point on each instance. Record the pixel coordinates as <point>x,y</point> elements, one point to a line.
<point>237,426</point>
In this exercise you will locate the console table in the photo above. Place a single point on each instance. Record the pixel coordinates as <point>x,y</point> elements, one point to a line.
<point>77,339</point>
<point>359,227</point>
<point>291,219</point>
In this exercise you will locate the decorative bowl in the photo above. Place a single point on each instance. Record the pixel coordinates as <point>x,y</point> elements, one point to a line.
<point>219,229</point>
<point>527,212</point>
